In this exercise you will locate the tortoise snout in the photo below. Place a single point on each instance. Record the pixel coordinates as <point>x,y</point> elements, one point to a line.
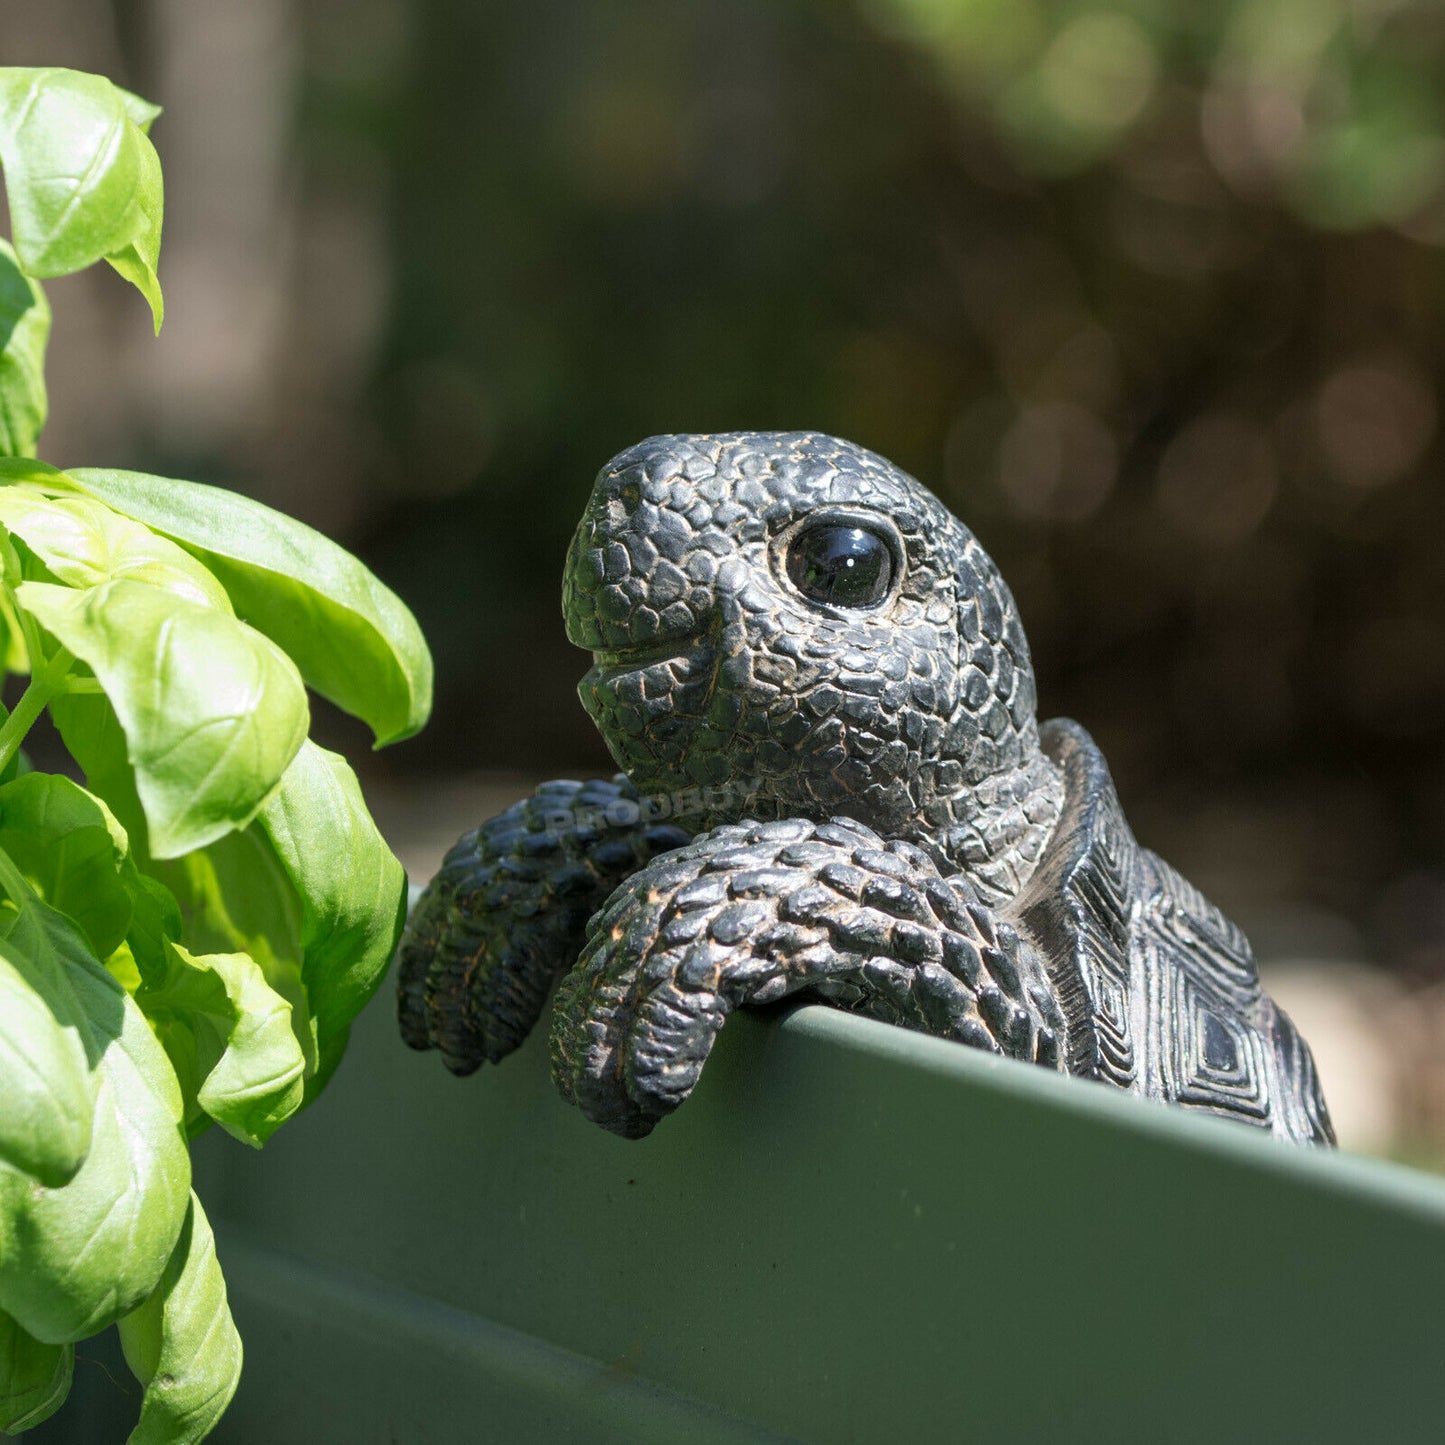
<point>641,575</point>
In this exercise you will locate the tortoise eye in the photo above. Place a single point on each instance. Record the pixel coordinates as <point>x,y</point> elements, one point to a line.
<point>841,565</point>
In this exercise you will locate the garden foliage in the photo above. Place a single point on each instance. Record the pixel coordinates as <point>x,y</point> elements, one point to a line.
<point>185,939</point>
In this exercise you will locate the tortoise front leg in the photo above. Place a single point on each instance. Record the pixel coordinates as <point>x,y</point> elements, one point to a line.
<point>755,912</point>
<point>507,914</point>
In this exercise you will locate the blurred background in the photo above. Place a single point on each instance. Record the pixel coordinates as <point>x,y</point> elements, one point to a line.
<point>1151,293</point>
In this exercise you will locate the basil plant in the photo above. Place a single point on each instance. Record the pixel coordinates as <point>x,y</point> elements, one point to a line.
<point>186,937</point>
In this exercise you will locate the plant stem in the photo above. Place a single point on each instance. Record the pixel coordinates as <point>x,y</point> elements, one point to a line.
<point>42,688</point>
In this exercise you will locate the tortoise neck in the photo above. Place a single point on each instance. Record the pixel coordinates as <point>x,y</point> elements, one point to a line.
<point>995,830</point>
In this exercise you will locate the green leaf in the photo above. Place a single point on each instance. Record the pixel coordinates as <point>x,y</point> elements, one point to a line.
<point>17,470</point>
<point>13,655</point>
<point>235,897</point>
<point>137,260</point>
<point>24,330</point>
<point>182,1344</point>
<point>45,1075</point>
<point>329,1057</point>
<point>17,767</point>
<point>353,890</point>
<point>93,734</point>
<point>81,176</point>
<point>34,1377</point>
<point>212,711</point>
<point>50,1044</point>
<point>155,922</point>
<point>75,1258</point>
<point>91,731</point>
<point>353,638</point>
<point>320,921</point>
<point>83,543</point>
<point>72,850</point>
<point>142,112</point>
<point>241,1064</point>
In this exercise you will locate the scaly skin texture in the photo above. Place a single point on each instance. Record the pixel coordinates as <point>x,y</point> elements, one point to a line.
<point>806,666</point>
<point>915,716</point>
<point>752,913</point>
<point>507,910</point>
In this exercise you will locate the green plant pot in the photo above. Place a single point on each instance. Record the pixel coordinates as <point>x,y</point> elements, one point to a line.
<point>850,1233</point>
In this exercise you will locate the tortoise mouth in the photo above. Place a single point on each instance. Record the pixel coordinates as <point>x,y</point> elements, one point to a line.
<point>645,654</point>
<point>647,701</point>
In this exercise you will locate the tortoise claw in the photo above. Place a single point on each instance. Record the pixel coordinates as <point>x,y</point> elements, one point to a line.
<point>507,912</point>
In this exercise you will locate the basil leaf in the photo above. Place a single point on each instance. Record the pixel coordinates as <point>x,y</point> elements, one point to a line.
<point>24,330</point>
<point>241,1063</point>
<point>17,470</point>
<point>137,259</point>
<point>49,1047</point>
<point>81,176</point>
<point>182,1344</point>
<point>13,656</point>
<point>321,928</point>
<point>232,896</point>
<point>329,1056</point>
<point>259,1080</point>
<point>76,1257</point>
<point>83,543</point>
<point>93,734</point>
<point>34,1378</point>
<point>155,922</point>
<point>353,638</point>
<point>142,112</point>
<point>72,850</point>
<point>212,711</point>
<point>46,1081</point>
<point>353,892</point>
<point>235,897</point>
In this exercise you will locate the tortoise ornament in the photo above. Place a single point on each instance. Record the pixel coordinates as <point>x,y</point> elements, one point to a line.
<point>833,787</point>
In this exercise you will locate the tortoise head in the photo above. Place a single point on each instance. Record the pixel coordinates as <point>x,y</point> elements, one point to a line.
<point>793,623</point>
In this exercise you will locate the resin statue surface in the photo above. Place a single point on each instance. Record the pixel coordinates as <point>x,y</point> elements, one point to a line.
<point>833,787</point>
